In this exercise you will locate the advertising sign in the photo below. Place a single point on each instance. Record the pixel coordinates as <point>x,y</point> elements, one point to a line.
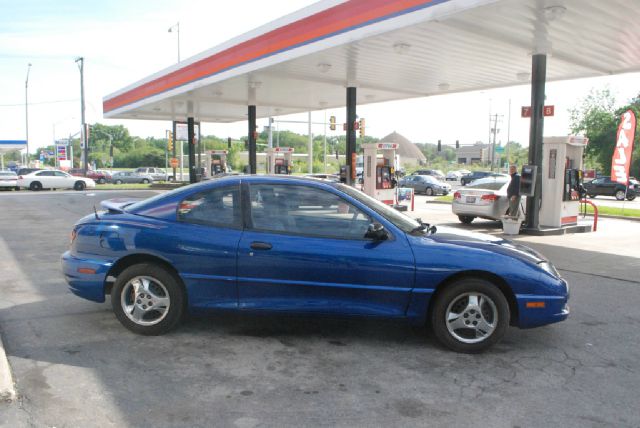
<point>61,152</point>
<point>624,147</point>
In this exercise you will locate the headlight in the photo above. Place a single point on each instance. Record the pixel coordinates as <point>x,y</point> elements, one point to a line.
<point>548,267</point>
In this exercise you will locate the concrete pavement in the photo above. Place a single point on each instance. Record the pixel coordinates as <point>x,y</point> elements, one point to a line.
<point>75,365</point>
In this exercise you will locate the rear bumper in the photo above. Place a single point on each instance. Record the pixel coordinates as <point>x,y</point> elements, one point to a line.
<point>85,277</point>
<point>492,211</point>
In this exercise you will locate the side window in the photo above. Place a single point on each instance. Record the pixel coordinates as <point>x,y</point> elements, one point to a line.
<point>59,174</point>
<point>303,210</point>
<point>45,174</point>
<point>215,207</point>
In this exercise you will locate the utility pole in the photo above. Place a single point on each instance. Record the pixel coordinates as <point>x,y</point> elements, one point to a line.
<point>177,29</point>
<point>83,135</point>
<point>26,110</point>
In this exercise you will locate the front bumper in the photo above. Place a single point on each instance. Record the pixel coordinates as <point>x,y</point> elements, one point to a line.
<point>86,277</point>
<point>535,311</point>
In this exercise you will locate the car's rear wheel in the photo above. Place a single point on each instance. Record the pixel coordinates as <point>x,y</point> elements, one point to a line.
<point>35,186</point>
<point>592,196</point>
<point>102,180</point>
<point>620,195</point>
<point>79,185</point>
<point>145,181</point>
<point>147,299</point>
<point>118,181</point>
<point>428,191</point>
<point>466,219</point>
<point>470,315</point>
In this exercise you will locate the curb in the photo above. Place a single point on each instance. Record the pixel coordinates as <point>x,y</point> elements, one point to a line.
<point>7,390</point>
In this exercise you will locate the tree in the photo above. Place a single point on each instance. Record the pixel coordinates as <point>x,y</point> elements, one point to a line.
<point>598,119</point>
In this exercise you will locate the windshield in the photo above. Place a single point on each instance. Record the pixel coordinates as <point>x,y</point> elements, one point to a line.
<point>400,220</point>
<point>488,183</point>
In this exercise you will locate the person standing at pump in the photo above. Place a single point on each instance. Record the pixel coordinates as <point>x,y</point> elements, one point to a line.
<point>513,192</point>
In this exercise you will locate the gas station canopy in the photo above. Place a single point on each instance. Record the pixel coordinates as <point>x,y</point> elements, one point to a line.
<point>389,50</point>
<point>11,145</point>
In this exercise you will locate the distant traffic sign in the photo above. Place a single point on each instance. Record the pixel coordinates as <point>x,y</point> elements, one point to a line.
<point>174,162</point>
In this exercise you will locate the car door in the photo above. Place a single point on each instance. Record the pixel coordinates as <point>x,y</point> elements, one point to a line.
<point>203,245</point>
<point>304,250</point>
<point>609,186</point>
<point>64,180</point>
<point>46,178</point>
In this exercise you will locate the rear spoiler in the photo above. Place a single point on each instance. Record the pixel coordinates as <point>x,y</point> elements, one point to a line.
<point>118,205</point>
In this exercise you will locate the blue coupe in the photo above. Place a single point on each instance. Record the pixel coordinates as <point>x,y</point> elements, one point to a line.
<point>300,245</point>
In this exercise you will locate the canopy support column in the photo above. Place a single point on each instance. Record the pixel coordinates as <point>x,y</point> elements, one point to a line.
<point>351,133</point>
<point>191,135</point>
<point>252,140</point>
<point>538,80</point>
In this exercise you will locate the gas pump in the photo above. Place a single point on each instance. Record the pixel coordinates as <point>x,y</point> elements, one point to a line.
<point>561,180</point>
<point>379,174</point>
<point>279,160</point>
<point>218,162</point>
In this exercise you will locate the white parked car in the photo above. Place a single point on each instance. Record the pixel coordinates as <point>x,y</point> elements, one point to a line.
<point>8,180</point>
<point>54,179</point>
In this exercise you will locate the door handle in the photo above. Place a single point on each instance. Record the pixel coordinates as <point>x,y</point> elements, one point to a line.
<point>260,245</point>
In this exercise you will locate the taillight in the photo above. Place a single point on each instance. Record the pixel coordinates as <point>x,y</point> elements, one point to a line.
<point>457,195</point>
<point>490,198</point>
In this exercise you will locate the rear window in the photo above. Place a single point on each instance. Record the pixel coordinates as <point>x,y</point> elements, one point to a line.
<point>489,183</point>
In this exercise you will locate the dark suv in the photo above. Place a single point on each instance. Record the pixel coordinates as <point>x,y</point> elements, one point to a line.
<point>604,186</point>
<point>475,175</point>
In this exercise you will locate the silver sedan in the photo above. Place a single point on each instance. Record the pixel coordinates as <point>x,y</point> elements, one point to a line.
<point>427,184</point>
<point>484,198</point>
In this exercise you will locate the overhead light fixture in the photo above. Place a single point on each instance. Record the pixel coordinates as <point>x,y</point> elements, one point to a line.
<point>157,109</point>
<point>444,86</point>
<point>278,110</point>
<point>523,76</point>
<point>401,47</point>
<point>324,67</point>
<point>552,13</point>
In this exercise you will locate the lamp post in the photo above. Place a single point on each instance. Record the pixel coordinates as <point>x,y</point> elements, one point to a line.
<point>176,28</point>
<point>83,135</point>
<point>26,110</point>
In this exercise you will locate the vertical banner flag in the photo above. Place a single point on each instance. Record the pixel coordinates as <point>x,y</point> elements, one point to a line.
<point>621,160</point>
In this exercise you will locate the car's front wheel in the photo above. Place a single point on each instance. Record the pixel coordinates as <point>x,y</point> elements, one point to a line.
<point>429,191</point>
<point>631,197</point>
<point>470,315</point>
<point>118,181</point>
<point>147,299</point>
<point>35,186</point>
<point>145,181</point>
<point>620,195</point>
<point>592,196</point>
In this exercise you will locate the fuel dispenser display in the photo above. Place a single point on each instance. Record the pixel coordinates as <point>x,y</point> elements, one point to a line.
<point>218,162</point>
<point>279,160</point>
<point>528,180</point>
<point>379,179</point>
<point>561,180</point>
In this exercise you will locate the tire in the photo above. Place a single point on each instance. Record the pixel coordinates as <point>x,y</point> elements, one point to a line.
<point>631,197</point>
<point>466,219</point>
<point>592,196</point>
<point>145,181</point>
<point>79,185</point>
<point>35,186</point>
<point>155,307</point>
<point>445,193</point>
<point>428,191</point>
<point>17,189</point>
<point>619,195</point>
<point>482,316</point>
<point>102,181</point>
<point>118,181</point>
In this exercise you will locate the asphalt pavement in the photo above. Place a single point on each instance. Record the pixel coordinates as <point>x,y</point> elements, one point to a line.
<point>75,365</point>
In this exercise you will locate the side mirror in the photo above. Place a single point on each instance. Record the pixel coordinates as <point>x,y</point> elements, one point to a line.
<point>377,232</point>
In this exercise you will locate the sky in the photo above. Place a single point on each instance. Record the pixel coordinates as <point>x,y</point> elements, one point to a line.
<point>123,41</point>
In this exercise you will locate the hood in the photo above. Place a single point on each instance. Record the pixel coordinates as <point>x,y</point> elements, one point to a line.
<point>453,236</point>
